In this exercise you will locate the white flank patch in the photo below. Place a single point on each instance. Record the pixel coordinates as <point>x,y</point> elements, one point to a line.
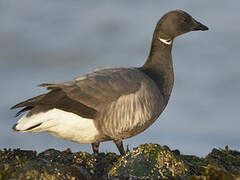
<point>62,124</point>
<point>165,41</point>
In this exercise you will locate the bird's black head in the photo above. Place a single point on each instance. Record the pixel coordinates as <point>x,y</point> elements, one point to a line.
<point>175,23</point>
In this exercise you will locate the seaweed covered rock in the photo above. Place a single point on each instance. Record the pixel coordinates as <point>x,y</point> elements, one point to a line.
<point>228,160</point>
<point>53,164</point>
<point>149,161</point>
<point>19,164</point>
<point>218,165</point>
<point>213,173</point>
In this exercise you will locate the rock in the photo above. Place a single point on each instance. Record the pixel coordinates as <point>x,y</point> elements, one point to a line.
<point>53,164</point>
<point>21,165</point>
<point>227,160</point>
<point>149,161</point>
<point>96,164</point>
<point>211,172</point>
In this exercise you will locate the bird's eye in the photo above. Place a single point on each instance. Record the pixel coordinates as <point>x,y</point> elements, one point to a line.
<point>184,19</point>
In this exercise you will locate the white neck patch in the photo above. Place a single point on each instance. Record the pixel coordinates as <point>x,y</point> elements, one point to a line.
<point>165,41</point>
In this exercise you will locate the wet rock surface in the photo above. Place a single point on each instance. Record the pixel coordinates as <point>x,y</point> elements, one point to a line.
<point>148,161</point>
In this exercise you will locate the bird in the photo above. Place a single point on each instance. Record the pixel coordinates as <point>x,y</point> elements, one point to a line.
<point>110,104</point>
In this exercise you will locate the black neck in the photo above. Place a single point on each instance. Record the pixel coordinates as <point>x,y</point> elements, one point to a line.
<point>159,67</point>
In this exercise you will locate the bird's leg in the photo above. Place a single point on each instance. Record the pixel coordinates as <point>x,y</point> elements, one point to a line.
<point>119,145</point>
<point>95,147</point>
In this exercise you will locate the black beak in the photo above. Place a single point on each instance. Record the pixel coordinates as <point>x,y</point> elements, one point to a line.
<point>14,127</point>
<point>199,26</point>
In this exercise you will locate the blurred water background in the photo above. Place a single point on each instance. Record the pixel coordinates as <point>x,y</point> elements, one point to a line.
<point>58,40</point>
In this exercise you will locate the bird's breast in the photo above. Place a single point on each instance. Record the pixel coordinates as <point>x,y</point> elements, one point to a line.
<point>132,113</point>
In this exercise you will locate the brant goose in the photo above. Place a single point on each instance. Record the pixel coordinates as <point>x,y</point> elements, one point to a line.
<point>110,103</point>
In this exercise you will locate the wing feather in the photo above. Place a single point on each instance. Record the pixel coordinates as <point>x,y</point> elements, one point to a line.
<point>100,88</point>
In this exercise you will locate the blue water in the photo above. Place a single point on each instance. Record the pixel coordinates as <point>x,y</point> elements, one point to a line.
<point>58,40</point>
